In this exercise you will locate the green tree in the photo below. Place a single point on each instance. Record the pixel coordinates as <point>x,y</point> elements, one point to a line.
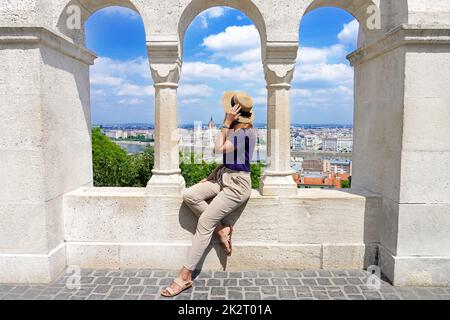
<point>193,173</point>
<point>109,161</point>
<point>146,161</point>
<point>139,168</point>
<point>345,184</point>
<point>113,167</point>
<point>256,171</point>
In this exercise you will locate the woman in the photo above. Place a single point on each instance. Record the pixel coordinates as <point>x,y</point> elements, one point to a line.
<point>229,186</point>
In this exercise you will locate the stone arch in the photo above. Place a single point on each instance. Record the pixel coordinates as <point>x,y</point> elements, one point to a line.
<point>87,9</point>
<point>357,8</point>
<point>195,7</point>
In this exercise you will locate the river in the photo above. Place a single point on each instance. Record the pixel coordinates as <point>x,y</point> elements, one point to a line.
<point>133,147</point>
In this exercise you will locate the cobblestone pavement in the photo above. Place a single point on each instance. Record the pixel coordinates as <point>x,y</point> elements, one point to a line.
<point>248,285</point>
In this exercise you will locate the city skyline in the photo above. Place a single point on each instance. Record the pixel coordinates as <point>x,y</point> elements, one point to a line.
<point>205,123</point>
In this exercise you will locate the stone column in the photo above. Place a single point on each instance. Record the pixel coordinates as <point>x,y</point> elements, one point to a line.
<point>279,66</point>
<point>402,149</point>
<point>165,66</point>
<point>45,148</point>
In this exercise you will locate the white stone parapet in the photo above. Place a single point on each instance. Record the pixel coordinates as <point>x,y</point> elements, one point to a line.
<point>127,228</point>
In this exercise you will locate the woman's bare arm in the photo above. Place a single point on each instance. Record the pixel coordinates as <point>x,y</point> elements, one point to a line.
<point>223,145</point>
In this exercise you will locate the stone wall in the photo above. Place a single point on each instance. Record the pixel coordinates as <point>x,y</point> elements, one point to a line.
<point>45,147</point>
<point>125,228</point>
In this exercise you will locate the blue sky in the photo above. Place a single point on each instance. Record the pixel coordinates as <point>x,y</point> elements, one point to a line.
<point>215,61</point>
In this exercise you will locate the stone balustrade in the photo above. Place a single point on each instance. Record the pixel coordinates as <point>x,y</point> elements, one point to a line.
<point>127,228</point>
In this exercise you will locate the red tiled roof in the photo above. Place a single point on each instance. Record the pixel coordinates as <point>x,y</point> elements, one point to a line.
<point>334,180</point>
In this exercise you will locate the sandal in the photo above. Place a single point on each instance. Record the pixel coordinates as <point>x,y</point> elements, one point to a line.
<point>227,239</point>
<point>184,285</point>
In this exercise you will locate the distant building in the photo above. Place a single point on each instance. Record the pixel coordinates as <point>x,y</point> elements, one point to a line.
<point>330,144</point>
<point>341,166</point>
<point>185,137</point>
<point>211,124</point>
<point>298,143</point>
<point>116,134</point>
<point>110,134</point>
<point>297,167</point>
<point>317,165</point>
<point>312,142</point>
<point>212,132</point>
<point>198,137</point>
<point>345,144</point>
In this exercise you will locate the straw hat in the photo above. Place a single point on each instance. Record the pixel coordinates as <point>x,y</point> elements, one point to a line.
<point>230,99</point>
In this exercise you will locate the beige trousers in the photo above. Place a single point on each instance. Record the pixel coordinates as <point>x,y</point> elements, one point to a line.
<point>228,191</point>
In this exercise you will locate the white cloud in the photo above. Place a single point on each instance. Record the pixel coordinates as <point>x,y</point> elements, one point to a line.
<point>322,72</point>
<point>98,92</point>
<point>201,71</point>
<point>192,90</point>
<point>133,90</point>
<point>215,12</point>
<point>211,13</point>
<point>252,71</point>
<point>233,38</point>
<point>240,45</point>
<point>349,33</point>
<point>317,97</point>
<point>310,55</point>
<point>260,100</point>
<point>262,92</point>
<point>341,91</point>
<point>247,56</point>
<point>190,101</point>
<point>325,78</point>
<point>112,80</point>
<point>134,67</point>
<point>105,80</point>
<point>301,93</point>
<point>313,64</point>
<point>131,102</point>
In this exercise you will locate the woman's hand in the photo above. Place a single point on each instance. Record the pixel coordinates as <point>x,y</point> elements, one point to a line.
<point>233,115</point>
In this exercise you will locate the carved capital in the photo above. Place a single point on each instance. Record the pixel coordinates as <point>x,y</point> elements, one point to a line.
<point>279,74</point>
<point>165,62</point>
<point>279,62</point>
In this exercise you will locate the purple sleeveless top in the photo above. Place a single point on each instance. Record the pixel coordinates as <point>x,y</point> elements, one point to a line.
<point>244,141</point>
